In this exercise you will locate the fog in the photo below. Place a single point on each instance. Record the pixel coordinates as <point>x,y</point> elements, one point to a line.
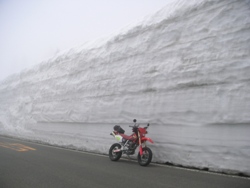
<point>34,31</point>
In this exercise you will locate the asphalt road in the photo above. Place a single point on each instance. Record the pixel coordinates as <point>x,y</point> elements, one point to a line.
<point>30,165</point>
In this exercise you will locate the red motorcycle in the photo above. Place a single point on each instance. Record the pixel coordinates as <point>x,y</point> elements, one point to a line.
<point>128,144</point>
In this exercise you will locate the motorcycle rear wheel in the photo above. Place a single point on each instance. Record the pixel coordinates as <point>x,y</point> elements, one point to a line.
<point>146,157</point>
<point>115,156</point>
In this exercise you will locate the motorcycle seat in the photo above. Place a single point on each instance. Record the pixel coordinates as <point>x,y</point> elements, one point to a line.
<point>128,137</point>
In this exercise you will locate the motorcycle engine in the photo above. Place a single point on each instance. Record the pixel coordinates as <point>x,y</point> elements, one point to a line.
<point>132,145</point>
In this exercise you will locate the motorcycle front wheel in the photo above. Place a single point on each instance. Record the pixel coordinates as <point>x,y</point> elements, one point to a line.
<point>115,156</point>
<point>146,157</point>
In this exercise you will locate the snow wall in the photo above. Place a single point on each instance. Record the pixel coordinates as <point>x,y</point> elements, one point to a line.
<point>185,70</point>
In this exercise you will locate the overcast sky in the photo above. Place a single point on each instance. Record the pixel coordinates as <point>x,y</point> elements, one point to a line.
<point>32,31</point>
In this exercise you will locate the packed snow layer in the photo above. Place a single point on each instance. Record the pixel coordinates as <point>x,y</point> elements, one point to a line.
<point>185,70</point>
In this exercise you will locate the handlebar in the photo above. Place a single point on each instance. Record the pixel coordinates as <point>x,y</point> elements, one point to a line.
<point>137,125</point>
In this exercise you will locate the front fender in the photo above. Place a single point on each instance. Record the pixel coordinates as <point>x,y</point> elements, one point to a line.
<point>146,139</point>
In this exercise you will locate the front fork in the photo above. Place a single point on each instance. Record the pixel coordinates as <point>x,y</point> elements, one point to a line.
<point>140,145</point>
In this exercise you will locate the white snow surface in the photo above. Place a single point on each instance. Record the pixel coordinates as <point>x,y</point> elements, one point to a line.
<point>185,70</point>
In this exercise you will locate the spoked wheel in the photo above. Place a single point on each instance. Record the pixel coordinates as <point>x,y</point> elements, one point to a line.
<point>115,156</point>
<point>146,157</point>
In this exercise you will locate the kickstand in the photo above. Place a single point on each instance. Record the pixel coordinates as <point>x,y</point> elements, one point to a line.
<point>129,157</point>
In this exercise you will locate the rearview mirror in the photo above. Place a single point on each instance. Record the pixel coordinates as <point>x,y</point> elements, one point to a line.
<point>134,120</point>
